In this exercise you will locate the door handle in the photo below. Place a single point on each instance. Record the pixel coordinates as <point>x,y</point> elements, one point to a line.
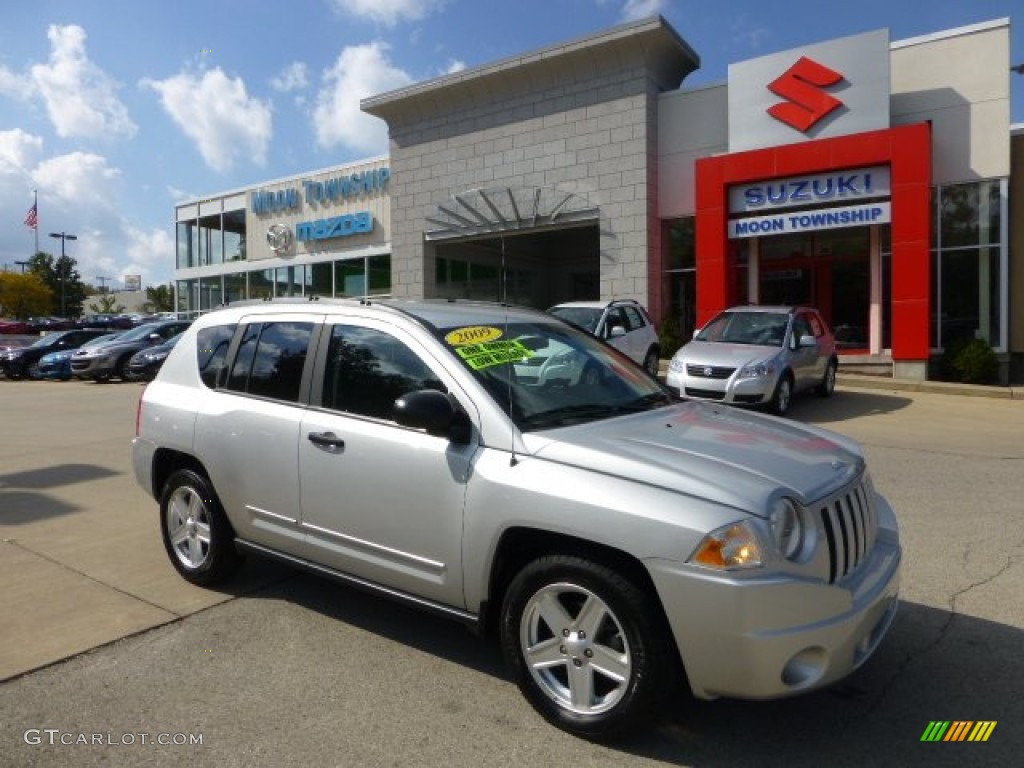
<point>327,440</point>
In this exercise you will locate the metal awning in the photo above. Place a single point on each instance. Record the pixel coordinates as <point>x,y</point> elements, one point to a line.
<point>497,210</point>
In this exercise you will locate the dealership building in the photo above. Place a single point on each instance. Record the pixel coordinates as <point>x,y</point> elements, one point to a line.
<point>878,180</point>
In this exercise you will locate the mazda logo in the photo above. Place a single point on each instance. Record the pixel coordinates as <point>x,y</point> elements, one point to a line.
<point>279,238</point>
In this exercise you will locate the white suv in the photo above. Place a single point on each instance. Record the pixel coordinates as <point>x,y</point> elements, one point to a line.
<point>624,545</point>
<point>623,323</point>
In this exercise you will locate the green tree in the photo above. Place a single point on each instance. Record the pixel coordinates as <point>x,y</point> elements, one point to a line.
<point>23,296</point>
<point>107,305</point>
<point>61,276</point>
<point>160,298</point>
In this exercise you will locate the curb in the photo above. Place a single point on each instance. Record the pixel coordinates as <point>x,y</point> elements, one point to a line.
<point>862,381</point>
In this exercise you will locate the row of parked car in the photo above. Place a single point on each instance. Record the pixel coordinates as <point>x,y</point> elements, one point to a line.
<point>112,322</point>
<point>94,353</point>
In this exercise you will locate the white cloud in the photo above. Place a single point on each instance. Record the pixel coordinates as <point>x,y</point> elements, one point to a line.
<point>19,150</point>
<point>218,114</point>
<point>360,71</point>
<point>642,9</point>
<point>78,178</point>
<point>291,78</point>
<point>453,66</point>
<point>80,98</point>
<point>388,12</point>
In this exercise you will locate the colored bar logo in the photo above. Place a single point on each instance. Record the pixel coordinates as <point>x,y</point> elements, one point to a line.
<point>959,730</point>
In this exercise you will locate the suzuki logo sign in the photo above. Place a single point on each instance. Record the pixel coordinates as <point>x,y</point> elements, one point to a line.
<point>806,103</point>
<point>835,88</point>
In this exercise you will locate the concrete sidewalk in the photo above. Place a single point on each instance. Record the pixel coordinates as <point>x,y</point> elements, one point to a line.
<point>861,381</point>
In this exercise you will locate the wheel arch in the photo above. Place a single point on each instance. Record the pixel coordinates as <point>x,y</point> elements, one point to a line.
<point>167,461</point>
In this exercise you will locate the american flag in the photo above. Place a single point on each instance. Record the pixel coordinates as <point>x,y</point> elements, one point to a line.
<point>32,218</point>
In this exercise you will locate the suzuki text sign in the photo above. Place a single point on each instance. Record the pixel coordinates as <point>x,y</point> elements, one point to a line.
<point>812,189</point>
<point>828,89</point>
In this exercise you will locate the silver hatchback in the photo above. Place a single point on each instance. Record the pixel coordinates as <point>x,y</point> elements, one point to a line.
<point>757,355</point>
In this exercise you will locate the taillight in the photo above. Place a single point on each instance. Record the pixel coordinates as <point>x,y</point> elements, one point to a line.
<point>138,412</point>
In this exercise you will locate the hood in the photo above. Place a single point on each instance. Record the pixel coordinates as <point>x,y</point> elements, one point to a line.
<point>726,355</point>
<point>726,455</point>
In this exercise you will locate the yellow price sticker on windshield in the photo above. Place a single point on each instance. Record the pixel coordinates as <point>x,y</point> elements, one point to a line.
<point>489,354</point>
<point>474,334</point>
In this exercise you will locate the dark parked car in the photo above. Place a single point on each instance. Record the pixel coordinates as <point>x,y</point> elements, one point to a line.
<point>49,324</point>
<point>18,363</point>
<point>57,365</point>
<point>102,362</point>
<point>111,322</point>
<point>145,364</point>
<point>13,326</point>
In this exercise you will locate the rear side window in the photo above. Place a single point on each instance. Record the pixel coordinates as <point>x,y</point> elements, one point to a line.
<point>212,351</point>
<point>270,360</point>
<point>634,318</point>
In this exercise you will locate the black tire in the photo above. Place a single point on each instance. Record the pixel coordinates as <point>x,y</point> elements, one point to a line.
<point>196,533</point>
<point>652,362</point>
<point>121,369</point>
<point>15,375</point>
<point>630,641</point>
<point>828,381</point>
<point>33,372</point>
<point>782,398</point>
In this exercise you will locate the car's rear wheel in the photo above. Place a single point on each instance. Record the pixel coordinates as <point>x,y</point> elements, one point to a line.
<point>196,533</point>
<point>828,381</point>
<point>652,362</point>
<point>586,646</point>
<point>783,396</point>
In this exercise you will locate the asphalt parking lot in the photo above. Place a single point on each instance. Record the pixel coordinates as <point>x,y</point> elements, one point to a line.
<point>103,646</point>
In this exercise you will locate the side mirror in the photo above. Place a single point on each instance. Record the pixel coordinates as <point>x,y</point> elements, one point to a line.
<point>616,331</point>
<point>433,412</point>
<point>155,338</point>
<point>808,341</point>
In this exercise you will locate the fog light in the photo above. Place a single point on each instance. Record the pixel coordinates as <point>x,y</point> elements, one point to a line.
<point>806,668</point>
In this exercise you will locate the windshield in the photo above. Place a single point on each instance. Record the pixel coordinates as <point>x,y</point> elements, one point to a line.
<point>47,341</point>
<point>585,317</point>
<point>766,329</point>
<point>142,332</point>
<point>547,375</point>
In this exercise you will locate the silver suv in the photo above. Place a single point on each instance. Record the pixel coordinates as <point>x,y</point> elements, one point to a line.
<point>624,545</point>
<point>623,323</point>
<point>755,355</point>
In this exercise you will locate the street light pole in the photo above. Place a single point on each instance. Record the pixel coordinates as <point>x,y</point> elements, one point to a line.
<point>63,266</point>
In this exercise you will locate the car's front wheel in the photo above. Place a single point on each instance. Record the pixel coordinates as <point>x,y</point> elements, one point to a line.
<point>196,533</point>
<point>586,646</point>
<point>783,396</point>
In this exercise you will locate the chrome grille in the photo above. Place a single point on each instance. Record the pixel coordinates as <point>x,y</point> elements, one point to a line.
<point>850,522</point>
<point>709,371</point>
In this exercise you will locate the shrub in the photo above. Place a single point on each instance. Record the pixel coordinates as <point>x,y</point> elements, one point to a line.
<point>970,361</point>
<point>670,336</point>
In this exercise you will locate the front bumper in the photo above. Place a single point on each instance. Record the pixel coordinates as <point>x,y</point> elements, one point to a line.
<point>91,367</point>
<point>776,635</point>
<point>733,390</point>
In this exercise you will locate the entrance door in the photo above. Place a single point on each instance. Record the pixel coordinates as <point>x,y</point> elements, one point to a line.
<point>829,270</point>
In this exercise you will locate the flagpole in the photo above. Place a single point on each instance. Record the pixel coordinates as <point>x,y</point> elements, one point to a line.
<point>35,204</point>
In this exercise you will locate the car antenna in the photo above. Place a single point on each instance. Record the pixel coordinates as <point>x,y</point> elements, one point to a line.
<point>508,380</point>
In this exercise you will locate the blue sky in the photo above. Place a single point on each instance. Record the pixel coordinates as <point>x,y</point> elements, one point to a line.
<point>117,109</point>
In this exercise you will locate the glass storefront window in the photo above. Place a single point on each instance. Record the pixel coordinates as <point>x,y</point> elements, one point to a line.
<point>211,243</point>
<point>349,278</point>
<point>188,244</point>
<point>378,273</point>
<point>211,293</point>
<point>234,236</point>
<point>235,288</point>
<point>261,284</point>
<point>969,214</point>
<point>320,279</point>
<point>289,281</point>
<point>682,244</point>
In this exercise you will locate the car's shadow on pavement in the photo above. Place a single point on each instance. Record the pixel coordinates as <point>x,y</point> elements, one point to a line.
<point>23,498</point>
<point>846,404</point>
<point>934,665</point>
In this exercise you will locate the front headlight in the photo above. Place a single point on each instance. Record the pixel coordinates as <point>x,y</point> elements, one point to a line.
<point>757,371</point>
<point>676,365</point>
<point>730,547</point>
<point>788,528</point>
